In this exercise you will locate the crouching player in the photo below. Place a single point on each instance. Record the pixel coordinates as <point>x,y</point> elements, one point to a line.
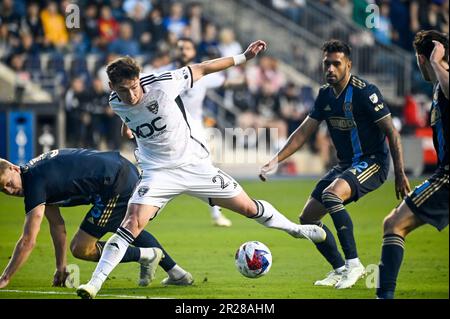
<point>72,177</point>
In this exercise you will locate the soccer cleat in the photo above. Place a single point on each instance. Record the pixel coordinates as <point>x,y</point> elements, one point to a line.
<point>350,276</point>
<point>186,280</point>
<point>222,221</point>
<point>312,232</point>
<point>149,266</point>
<point>330,280</point>
<point>87,291</point>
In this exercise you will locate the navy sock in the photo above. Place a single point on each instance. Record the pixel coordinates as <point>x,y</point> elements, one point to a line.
<point>391,260</point>
<point>145,239</point>
<point>328,248</point>
<point>342,222</point>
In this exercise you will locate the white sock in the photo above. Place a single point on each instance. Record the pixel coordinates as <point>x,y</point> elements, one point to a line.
<point>353,262</point>
<point>176,272</point>
<point>146,254</point>
<point>113,253</point>
<point>268,216</point>
<point>340,269</point>
<point>215,212</point>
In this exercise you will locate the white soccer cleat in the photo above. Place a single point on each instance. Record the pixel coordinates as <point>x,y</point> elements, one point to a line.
<point>312,232</point>
<point>149,266</point>
<point>87,291</point>
<point>222,221</point>
<point>330,280</point>
<point>186,280</point>
<point>350,276</point>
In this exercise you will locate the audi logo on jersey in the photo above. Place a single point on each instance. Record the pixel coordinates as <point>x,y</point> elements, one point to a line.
<point>148,129</point>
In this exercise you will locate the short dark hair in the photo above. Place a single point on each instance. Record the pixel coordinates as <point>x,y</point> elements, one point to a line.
<point>187,39</point>
<point>123,68</point>
<point>333,45</point>
<point>423,42</point>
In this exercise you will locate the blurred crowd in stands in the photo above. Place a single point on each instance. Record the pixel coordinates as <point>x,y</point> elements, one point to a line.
<point>149,29</point>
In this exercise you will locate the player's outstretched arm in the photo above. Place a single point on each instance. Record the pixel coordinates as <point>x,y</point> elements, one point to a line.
<point>402,187</point>
<point>59,235</point>
<point>25,244</point>
<point>293,144</point>
<point>436,60</point>
<point>201,69</point>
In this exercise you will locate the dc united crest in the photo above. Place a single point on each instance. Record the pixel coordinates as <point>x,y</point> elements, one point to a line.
<point>153,107</point>
<point>143,190</point>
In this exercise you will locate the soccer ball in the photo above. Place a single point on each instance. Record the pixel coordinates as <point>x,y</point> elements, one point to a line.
<point>253,259</point>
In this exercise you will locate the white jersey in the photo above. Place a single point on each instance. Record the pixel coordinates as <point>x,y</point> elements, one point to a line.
<point>165,134</point>
<point>194,97</point>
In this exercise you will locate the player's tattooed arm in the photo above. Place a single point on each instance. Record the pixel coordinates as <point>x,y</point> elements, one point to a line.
<point>293,144</point>
<point>402,187</point>
<point>59,235</point>
<point>437,60</point>
<point>201,69</point>
<point>25,244</point>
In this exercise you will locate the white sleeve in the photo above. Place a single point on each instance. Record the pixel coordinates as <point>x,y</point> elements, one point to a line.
<point>178,81</point>
<point>214,80</point>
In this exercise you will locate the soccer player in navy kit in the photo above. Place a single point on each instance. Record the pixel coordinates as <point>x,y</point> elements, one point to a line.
<point>359,122</point>
<point>428,202</point>
<point>72,177</point>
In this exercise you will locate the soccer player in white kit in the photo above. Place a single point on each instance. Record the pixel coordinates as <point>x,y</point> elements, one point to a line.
<point>193,100</point>
<point>173,159</point>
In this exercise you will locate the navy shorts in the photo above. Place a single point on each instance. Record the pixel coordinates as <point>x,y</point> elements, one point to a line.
<point>429,200</point>
<point>108,212</point>
<point>365,176</point>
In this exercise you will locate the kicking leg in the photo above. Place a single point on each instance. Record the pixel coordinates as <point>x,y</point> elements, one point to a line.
<point>267,215</point>
<point>399,223</point>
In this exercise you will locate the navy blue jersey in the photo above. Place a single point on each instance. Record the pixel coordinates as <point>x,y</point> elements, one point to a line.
<point>352,119</point>
<point>439,118</point>
<point>71,177</point>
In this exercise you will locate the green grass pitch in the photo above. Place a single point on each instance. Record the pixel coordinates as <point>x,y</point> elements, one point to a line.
<point>185,230</point>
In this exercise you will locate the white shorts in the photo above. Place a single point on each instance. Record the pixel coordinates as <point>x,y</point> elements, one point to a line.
<point>204,180</point>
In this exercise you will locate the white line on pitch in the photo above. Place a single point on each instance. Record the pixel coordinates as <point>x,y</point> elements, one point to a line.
<point>73,294</point>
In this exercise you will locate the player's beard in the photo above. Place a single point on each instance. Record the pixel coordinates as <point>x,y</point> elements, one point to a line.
<point>184,61</point>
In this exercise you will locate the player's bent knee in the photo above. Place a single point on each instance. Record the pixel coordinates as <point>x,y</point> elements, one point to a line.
<point>392,225</point>
<point>79,250</point>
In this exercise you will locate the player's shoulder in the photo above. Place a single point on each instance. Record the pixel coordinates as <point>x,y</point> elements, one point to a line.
<point>359,83</point>
<point>114,97</point>
<point>364,88</point>
<point>155,79</point>
<point>323,90</point>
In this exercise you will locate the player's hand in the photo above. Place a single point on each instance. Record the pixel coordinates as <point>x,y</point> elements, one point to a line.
<point>59,279</point>
<point>3,282</point>
<point>402,187</point>
<point>129,133</point>
<point>438,52</point>
<point>266,169</point>
<point>254,48</point>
